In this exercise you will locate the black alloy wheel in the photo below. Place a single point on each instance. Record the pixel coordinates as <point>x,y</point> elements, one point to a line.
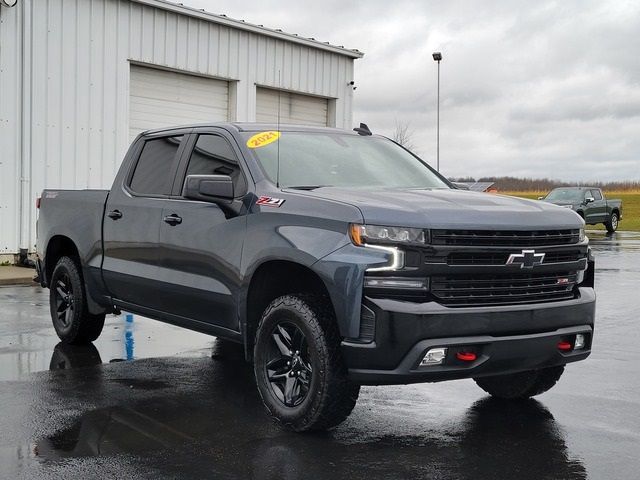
<point>297,361</point>
<point>64,300</point>
<point>288,365</point>
<point>70,314</point>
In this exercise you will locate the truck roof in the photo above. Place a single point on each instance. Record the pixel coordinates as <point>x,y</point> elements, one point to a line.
<point>577,188</point>
<point>253,127</point>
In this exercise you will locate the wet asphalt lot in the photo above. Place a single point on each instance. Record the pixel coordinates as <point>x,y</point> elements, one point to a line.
<point>153,401</point>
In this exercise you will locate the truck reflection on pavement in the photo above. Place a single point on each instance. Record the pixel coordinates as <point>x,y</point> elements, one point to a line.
<point>218,425</point>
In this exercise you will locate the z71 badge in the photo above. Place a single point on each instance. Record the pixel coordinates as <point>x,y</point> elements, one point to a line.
<point>270,202</point>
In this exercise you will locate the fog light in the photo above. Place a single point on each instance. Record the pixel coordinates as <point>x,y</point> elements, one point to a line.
<point>435,356</point>
<point>580,342</point>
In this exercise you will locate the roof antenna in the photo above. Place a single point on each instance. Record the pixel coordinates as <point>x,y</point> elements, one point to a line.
<point>278,127</point>
<point>363,130</point>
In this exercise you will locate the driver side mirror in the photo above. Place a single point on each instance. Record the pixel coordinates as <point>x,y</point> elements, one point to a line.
<point>540,198</point>
<point>589,199</point>
<point>208,188</point>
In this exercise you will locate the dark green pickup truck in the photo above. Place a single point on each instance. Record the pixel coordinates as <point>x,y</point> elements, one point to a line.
<point>589,203</point>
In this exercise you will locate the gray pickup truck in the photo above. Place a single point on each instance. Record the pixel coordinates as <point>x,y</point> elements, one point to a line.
<point>337,259</point>
<point>590,203</point>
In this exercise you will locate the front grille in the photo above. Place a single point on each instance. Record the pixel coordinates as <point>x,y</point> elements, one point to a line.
<point>500,258</point>
<point>458,291</point>
<point>505,238</point>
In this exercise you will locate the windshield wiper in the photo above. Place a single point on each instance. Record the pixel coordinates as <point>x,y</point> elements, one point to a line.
<point>307,187</point>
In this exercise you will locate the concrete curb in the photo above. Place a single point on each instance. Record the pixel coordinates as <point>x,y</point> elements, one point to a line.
<point>16,276</point>
<point>16,281</point>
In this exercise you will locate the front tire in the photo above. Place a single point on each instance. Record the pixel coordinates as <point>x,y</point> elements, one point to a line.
<point>298,365</point>
<point>612,224</point>
<point>68,304</point>
<point>518,386</point>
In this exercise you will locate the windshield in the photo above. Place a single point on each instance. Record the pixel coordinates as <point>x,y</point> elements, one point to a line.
<point>311,160</point>
<point>568,195</point>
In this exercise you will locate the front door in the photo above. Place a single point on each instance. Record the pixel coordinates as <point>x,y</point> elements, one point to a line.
<point>596,210</point>
<point>200,245</point>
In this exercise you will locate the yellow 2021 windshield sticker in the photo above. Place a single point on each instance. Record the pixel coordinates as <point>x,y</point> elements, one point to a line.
<point>263,138</point>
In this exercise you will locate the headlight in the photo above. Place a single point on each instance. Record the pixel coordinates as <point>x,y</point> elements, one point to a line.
<point>581,235</point>
<point>387,239</point>
<point>375,234</point>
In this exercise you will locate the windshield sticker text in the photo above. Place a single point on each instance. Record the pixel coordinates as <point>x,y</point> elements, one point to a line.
<point>263,138</point>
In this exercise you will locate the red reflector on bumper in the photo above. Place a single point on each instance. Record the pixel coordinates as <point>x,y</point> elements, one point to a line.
<point>565,346</point>
<point>466,356</point>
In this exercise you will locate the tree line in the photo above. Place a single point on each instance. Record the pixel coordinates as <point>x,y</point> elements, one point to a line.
<point>515,184</point>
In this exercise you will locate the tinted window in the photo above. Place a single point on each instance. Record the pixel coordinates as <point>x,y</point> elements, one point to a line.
<point>154,170</point>
<point>213,155</point>
<point>596,194</point>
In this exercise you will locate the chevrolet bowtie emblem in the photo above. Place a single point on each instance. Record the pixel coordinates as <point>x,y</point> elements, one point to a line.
<point>526,259</point>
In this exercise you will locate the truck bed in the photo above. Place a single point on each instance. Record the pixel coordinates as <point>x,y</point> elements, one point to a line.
<point>75,214</point>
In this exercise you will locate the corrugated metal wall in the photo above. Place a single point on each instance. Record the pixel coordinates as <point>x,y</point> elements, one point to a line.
<point>77,56</point>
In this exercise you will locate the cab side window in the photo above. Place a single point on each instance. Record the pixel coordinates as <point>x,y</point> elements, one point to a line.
<point>596,194</point>
<point>213,155</point>
<point>154,171</point>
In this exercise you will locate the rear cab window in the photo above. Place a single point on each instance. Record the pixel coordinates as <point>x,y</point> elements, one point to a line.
<point>155,169</point>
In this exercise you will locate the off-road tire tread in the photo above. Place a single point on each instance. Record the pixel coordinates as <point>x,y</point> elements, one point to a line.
<point>85,327</point>
<point>522,385</point>
<point>341,394</point>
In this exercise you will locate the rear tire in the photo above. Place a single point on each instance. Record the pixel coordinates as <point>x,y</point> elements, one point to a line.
<point>68,304</point>
<point>298,365</point>
<point>521,385</point>
<point>612,224</point>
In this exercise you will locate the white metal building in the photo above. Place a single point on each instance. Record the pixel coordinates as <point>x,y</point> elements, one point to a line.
<point>79,79</point>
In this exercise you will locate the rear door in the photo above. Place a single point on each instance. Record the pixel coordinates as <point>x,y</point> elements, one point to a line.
<point>132,220</point>
<point>200,245</point>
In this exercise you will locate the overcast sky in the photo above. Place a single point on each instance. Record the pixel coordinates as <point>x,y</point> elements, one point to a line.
<point>536,89</point>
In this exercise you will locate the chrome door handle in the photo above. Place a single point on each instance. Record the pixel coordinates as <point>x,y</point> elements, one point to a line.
<point>173,219</point>
<point>114,214</point>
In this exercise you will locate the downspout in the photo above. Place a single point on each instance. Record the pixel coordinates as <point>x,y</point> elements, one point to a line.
<point>25,91</point>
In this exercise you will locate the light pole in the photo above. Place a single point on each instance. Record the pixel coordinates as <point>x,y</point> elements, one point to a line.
<point>437,56</point>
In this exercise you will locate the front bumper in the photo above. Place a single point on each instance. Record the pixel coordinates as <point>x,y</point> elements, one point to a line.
<point>507,339</point>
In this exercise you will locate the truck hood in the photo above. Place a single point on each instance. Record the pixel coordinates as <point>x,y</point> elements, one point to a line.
<point>447,208</point>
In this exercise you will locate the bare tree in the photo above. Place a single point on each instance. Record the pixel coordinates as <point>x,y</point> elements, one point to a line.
<point>403,134</point>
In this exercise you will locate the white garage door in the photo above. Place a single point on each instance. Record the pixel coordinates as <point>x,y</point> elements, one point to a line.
<point>158,98</point>
<point>294,108</point>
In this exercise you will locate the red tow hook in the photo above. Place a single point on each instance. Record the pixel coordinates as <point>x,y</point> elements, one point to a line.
<point>565,346</point>
<point>466,356</point>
